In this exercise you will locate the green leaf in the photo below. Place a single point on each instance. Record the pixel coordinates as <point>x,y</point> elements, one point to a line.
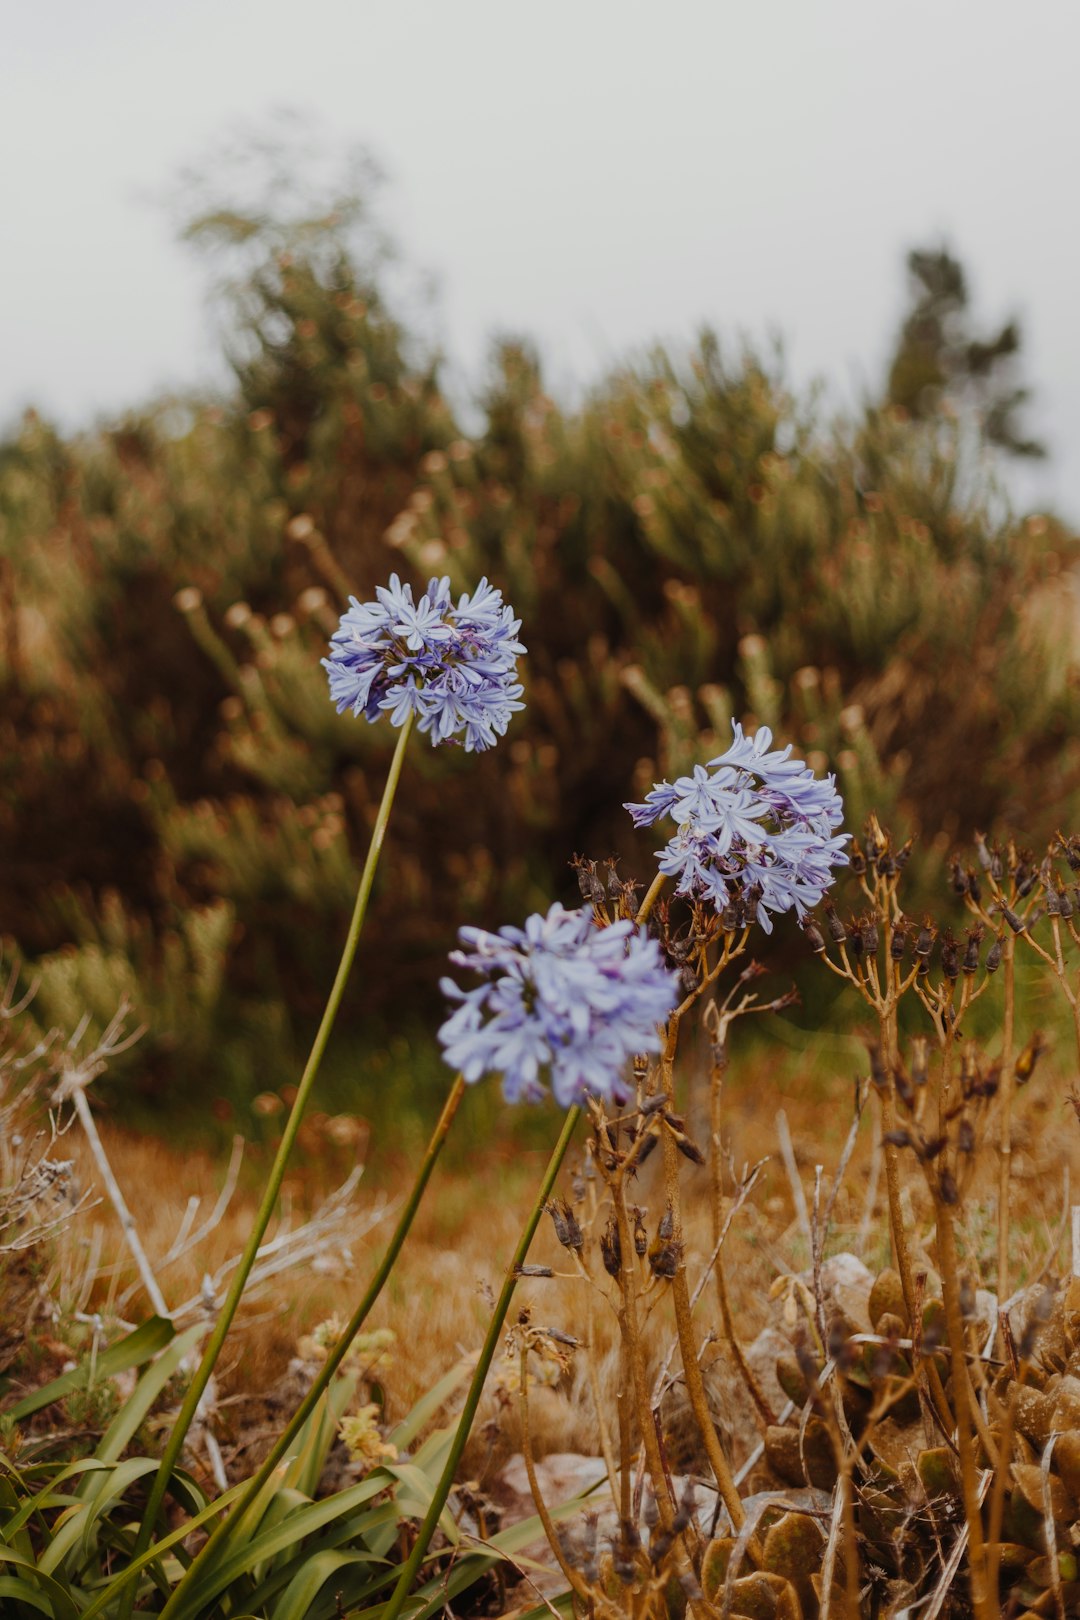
<point>12,1586</point>
<point>427,1406</point>
<point>76,1525</point>
<point>315,1439</point>
<point>125,1424</point>
<point>131,1351</point>
<point>234,1562</point>
<point>154,1554</point>
<point>63,1606</point>
<point>297,1601</point>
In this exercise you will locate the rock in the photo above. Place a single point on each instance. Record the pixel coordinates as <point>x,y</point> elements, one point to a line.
<point>761,1357</point>
<point>845,1289</point>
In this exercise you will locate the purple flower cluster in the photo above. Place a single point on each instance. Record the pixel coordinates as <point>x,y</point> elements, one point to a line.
<point>561,996</point>
<point>453,667</point>
<point>753,828</point>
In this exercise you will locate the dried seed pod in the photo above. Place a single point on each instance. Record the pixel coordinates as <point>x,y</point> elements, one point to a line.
<point>659,1546</point>
<point>948,1191</point>
<point>950,957</point>
<point>1015,923</point>
<point>688,1148</point>
<point>858,859</point>
<point>879,1074</point>
<point>533,1271</point>
<point>814,937</point>
<point>647,1147</point>
<point>869,930</point>
<point>641,1237</point>
<point>904,1088</point>
<point>925,942</point>
<point>611,1247</point>
<point>565,1222</point>
<point>837,931</point>
<point>898,1139</point>
<point>685,1512</point>
<point>664,1257</point>
<point>898,942</point>
<point>971,951</point>
<point>993,955</point>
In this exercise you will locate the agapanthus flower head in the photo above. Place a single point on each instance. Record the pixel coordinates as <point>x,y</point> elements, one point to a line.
<point>453,666</point>
<point>754,829</point>
<point>561,998</point>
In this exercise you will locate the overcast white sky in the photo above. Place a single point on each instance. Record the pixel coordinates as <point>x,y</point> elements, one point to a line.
<point>597,173</point>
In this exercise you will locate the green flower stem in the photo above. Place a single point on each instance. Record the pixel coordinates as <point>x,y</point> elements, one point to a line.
<point>251,1490</point>
<point>472,1400</point>
<point>277,1173</point>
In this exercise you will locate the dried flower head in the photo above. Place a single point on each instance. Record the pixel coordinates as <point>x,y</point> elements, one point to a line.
<point>362,1440</point>
<point>754,825</point>
<point>561,997</point>
<point>453,667</point>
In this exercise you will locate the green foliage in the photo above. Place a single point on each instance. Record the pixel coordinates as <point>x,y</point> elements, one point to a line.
<point>67,1528</point>
<point>693,543</point>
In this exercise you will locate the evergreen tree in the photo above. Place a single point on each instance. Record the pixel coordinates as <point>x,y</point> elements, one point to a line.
<point>942,363</point>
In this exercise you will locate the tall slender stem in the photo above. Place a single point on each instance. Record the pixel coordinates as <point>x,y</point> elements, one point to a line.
<point>1008,1081</point>
<point>472,1399</point>
<point>226,1527</point>
<point>277,1171</point>
<point>981,1598</point>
